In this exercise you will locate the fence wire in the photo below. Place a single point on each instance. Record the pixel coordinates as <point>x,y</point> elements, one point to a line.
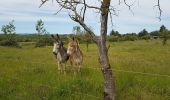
<point>118,70</point>
<point>94,68</point>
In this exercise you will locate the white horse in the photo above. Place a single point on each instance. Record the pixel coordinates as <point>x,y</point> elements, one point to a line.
<point>60,53</point>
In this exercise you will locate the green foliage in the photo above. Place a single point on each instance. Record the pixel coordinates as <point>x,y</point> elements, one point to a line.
<point>129,37</point>
<point>154,33</point>
<point>113,38</point>
<point>145,37</point>
<point>9,28</point>
<point>77,30</point>
<point>143,33</point>
<point>9,32</point>
<point>165,34</point>
<point>40,27</point>
<point>45,40</point>
<point>115,33</point>
<point>9,43</point>
<point>42,33</point>
<point>162,28</point>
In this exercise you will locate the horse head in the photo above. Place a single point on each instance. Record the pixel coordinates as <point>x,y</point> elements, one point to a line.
<point>58,44</point>
<point>73,46</point>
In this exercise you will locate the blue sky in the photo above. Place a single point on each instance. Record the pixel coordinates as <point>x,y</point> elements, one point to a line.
<point>26,13</point>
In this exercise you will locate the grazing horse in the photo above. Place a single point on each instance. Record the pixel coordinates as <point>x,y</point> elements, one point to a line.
<point>75,54</point>
<point>60,53</point>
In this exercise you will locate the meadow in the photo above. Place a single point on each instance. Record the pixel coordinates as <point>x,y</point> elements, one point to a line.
<point>141,70</point>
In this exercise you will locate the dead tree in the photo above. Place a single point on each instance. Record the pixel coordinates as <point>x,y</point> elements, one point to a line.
<point>77,11</point>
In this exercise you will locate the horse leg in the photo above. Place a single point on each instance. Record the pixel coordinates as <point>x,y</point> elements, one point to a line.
<point>59,66</point>
<point>79,68</point>
<point>64,68</point>
<point>75,69</point>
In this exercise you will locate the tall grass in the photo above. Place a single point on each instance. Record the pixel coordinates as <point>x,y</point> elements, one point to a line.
<point>31,73</point>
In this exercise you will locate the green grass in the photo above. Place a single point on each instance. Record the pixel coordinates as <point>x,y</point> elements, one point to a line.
<point>30,73</point>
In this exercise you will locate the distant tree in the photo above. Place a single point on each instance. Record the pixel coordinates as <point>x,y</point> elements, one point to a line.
<point>114,36</point>
<point>143,33</point>
<point>40,28</point>
<point>10,34</point>
<point>76,30</point>
<point>129,37</point>
<point>165,34</point>
<point>154,33</point>
<point>9,31</point>
<point>42,37</point>
<point>162,28</point>
<point>115,33</point>
<point>87,39</point>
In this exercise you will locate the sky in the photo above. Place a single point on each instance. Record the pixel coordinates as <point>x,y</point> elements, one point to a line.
<point>27,12</point>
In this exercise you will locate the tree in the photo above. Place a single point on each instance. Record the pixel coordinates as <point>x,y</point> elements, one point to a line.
<point>9,31</point>
<point>143,33</point>
<point>162,28</point>
<point>115,33</point>
<point>42,34</point>
<point>87,39</point>
<point>40,28</point>
<point>76,30</point>
<point>154,33</point>
<point>165,34</point>
<point>77,12</point>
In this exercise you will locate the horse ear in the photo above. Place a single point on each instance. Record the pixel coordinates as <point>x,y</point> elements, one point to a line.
<point>54,37</point>
<point>73,38</point>
<point>58,36</point>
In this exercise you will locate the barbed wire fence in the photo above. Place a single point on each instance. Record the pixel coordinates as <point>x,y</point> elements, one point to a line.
<point>92,68</point>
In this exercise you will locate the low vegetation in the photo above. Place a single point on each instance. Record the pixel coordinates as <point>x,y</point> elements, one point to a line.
<point>31,73</point>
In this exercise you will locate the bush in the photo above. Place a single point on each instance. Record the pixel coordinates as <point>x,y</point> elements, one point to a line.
<point>9,43</point>
<point>145,37</point>
<point>129,37</point>
<point>113,38</point>
<point>45,41</point>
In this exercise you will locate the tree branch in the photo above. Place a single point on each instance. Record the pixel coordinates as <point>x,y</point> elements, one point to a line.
<point>43,2</point>
<point>160,10</point>
<point>77,18</point>
<point>129,6</point>
<point>84,9</point>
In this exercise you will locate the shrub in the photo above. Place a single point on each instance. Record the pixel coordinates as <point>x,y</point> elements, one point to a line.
<point>44,41</point>
<point>9,43</point>
<point>145,37</point>
<point>113,38</point>
<point>129,37</point>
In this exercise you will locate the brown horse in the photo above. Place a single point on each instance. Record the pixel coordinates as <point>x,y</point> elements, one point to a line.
<point>75,54</point>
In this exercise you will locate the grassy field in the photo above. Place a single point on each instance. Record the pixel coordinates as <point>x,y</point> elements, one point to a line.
<point>30,73</point>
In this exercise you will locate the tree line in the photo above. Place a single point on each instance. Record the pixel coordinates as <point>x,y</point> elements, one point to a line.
<point>163,33</point>
<point>43,38</point>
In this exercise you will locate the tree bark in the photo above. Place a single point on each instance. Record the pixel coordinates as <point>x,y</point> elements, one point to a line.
<point>109,84</point>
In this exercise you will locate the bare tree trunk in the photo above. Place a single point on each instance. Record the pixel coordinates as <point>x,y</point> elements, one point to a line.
<point>109,84</point>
